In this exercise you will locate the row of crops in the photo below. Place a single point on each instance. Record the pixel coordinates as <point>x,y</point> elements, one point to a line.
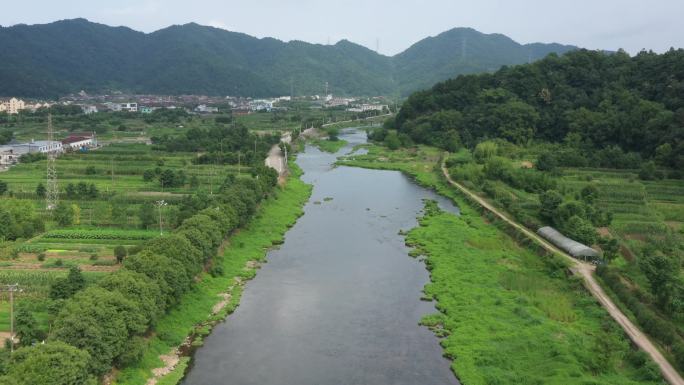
<point>116,234</point>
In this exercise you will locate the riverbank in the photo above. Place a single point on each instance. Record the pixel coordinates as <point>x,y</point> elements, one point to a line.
<point>507,315</point>
<point>198,311</point>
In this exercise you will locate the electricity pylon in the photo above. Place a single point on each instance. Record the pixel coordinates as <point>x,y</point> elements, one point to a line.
<point>51,190</point>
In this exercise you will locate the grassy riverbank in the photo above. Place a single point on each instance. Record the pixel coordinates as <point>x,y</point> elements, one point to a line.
<point>273,219</point>
<point>508,315</point>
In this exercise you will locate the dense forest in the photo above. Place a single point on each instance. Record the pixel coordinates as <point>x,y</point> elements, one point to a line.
<point>609,110</point>
<point>68,56</point>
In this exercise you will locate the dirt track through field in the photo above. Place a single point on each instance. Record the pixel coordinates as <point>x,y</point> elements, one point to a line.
<point>585,271</point>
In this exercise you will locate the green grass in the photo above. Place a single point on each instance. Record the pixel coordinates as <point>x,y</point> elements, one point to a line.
<point>331,146</point>
<point>509,317</point>
<point>177,374</point>
<point>275,216</point>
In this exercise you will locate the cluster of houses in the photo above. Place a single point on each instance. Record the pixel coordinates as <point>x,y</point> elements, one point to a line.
<point>11,153</point>
<point>13,106</point>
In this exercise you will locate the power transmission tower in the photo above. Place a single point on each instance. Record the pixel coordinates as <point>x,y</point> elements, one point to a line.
<point>51,190</point>
<point>12,289</point>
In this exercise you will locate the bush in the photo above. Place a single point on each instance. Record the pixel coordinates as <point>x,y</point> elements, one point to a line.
<point>120,253</point>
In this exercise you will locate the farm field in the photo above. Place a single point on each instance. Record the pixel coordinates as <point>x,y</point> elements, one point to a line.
<point>122,212</point>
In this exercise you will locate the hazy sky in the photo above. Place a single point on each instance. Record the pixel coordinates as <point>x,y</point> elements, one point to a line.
<point>604,24</point>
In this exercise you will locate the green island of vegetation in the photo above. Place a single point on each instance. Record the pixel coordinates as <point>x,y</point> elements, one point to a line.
<point>331,146</point>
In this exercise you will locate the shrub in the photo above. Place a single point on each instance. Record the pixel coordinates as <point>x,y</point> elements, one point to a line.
<point>120,253</point>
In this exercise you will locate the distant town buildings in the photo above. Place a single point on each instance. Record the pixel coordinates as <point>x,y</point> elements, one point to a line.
<point>369,107</point>
<point>261,105</point>
<point>337,102</point>
<point>89,109</point>
<point>12,106</point>
<point>204,109</point>
<point>122,107</point>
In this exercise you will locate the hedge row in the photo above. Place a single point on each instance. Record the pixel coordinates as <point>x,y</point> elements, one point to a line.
<point>103,325</point>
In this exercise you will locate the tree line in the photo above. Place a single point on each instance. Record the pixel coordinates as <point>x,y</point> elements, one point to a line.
<point>222,143</point>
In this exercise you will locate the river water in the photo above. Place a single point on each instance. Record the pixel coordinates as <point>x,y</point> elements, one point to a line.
<point>339,301</point>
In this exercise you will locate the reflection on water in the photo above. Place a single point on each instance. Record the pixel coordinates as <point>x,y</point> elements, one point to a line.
<point>339,302</point>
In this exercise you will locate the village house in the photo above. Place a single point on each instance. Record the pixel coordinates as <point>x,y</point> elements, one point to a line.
<point>9,156</point>
<point>204,109</point>
<point>78,142</point>
<point>369,107</point>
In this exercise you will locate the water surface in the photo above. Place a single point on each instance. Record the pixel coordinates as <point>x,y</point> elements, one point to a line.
<point>339,302</point>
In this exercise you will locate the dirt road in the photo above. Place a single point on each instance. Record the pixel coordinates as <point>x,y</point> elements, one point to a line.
<point>585,271</point>
<point>276,159</point>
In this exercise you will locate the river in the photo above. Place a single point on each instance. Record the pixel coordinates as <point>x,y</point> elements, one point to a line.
<point>339,301</point>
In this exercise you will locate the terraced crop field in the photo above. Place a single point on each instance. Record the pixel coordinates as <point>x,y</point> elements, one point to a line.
<point>109,219</point>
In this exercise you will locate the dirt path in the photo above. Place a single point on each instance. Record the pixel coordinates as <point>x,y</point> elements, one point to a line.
<point>276,159</point>
<point>585,271</point>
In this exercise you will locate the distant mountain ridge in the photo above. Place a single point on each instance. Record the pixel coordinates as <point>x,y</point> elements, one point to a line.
<point>67,56</point>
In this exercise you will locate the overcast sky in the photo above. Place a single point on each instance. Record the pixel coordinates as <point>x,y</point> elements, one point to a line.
<point>596,24</point>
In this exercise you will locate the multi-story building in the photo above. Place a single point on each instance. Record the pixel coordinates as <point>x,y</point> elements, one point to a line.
<point>12,106</point>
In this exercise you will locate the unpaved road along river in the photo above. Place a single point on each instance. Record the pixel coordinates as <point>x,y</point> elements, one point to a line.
<point>339,302</point>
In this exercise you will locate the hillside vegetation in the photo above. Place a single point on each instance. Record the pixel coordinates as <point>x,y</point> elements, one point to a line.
<point>72,55</point>
<point>599,106</point>
<point>590,143</point>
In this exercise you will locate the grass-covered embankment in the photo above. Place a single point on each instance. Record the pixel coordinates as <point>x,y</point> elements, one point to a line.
<point>508,315</point>
<point>271,222</point>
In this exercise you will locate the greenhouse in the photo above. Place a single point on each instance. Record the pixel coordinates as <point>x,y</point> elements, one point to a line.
<point>572,247</point>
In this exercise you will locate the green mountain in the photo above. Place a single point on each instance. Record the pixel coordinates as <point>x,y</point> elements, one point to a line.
<point>71,55</point>
<point>463,51</point>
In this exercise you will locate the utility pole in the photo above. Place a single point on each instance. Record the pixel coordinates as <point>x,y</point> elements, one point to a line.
<point>12,289</point>
<point>161,204</point>
<point>51,191</point>
<point>238,163</point>
<point>285,147</point>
